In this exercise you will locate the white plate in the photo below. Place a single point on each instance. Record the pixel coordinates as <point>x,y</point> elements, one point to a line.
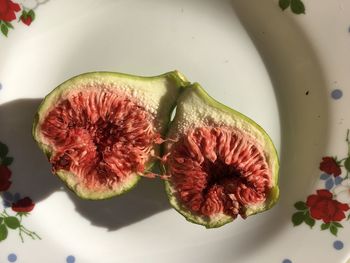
<point>288,72</point>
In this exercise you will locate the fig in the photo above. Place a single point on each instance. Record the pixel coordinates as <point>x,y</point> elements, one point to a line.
<point>220,164</point>
<point>101,131</point>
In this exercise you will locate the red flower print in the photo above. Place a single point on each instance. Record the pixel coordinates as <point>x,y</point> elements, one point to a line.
<point>330,166</point>
<point>23,205</point>
<point>5,175</point>
<point>27,17</point>
<point>8,10</point>
<point>322,206</point>
<point>26,20</point>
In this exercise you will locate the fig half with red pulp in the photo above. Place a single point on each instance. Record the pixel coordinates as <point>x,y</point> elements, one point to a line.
<point>220,163</point>
<point>101,131</point>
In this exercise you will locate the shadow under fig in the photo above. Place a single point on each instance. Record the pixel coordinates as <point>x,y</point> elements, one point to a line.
<point>31,172</point>
<point>146,199</point>
<point>31,175</point>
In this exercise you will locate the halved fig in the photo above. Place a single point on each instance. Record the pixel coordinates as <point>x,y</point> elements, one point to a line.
<point>220,163</point>
<point>101,131</point>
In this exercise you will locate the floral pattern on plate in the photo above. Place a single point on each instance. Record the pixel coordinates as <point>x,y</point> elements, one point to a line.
<point>297,6</point>
<point>15,208</point>
<point>329,205</point>
<point>22,10</point>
